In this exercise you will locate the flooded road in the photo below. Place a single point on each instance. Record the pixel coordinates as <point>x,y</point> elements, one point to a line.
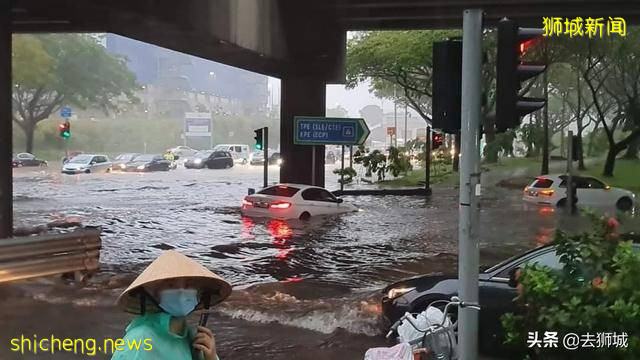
<point>298,278</point>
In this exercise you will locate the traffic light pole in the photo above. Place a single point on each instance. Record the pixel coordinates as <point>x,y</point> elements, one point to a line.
<point>265,148</point>
<point>468,255</point>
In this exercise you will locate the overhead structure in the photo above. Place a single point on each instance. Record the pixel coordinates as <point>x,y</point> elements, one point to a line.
<point>301,42</point>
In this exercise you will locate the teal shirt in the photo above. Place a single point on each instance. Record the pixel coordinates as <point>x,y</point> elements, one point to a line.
<point>163,344</point>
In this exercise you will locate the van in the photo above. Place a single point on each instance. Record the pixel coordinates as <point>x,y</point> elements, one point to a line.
<point>240,152</point>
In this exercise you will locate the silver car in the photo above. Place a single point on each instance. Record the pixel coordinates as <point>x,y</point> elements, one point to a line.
<point>86,164</point>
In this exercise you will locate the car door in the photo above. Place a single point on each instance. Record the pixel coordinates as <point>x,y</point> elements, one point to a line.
<point>598,192</point>
<point>320,201</point>
<point>497,297</point>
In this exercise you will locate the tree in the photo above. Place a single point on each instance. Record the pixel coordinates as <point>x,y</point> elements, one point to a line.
<point>396,59</point>
<point>611,71</point>
<point>338,111</point>
<point>51,70</point>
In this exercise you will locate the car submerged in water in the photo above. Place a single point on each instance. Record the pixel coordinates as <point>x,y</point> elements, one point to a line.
<point>27,159</point>
<point>87,164</point>
<point>212,159</point>
<point>293,201</point>
<point>120,162</point>
<point>148,163</point>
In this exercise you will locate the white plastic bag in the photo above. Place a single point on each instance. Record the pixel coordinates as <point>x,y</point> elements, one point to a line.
<point>401,351</point>
<point>443,342</point>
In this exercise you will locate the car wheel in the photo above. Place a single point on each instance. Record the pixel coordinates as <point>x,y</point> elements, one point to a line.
<point>87,171</point>
<point>43,164</point>
<point>305,216</point>
<point>108,170</point>
<point>624,204</point>
<point>562,202</point>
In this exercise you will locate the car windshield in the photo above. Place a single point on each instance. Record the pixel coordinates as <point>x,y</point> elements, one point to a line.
<point>81,159</point>
<point>280,190</point>
<point>144,157</point>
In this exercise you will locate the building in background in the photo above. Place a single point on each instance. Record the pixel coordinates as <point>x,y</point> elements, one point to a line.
<point>175,83</point>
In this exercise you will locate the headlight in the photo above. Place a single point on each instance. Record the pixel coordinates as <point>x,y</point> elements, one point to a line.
<point>197,161</point>
<point>279,162</point>
<point>396,292</point>
<point>141,167</point>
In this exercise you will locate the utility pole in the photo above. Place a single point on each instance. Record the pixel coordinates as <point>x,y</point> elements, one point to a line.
<point>395,118</point>
<point>265,144</point>
<point>405,125</point>
<point>545,117</point>
<point>468,255</point>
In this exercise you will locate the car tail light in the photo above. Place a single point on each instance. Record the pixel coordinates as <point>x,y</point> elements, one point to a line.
<point>246,202</point>
<point>547,192</point>
<point>280,205</point>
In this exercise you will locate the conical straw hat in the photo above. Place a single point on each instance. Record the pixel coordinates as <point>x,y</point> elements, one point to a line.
<point>172,265</point>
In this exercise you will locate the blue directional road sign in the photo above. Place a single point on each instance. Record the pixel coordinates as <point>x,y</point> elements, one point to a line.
<point>308,130</point>
<point>65,112</point>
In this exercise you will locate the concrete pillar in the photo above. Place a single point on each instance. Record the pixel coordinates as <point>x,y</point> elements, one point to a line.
<point>6,122</point>
<point>300,96</point>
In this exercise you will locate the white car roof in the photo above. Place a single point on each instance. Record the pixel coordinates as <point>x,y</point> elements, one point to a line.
<point>299,186</point>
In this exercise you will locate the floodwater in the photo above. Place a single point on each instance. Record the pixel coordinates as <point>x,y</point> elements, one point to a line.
<point>316,284</point>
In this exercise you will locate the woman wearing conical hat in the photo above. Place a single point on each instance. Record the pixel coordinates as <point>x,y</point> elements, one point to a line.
<point>168,290</point>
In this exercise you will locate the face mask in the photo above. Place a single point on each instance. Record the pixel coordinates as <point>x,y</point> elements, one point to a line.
<point>178,302</point>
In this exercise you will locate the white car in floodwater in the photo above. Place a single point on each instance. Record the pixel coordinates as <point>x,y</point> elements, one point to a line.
<point>86,164</point>
<point>293,201</point>
<point>552,190</point>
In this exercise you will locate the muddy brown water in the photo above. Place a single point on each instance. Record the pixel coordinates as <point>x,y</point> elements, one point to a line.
<point>301,289</point>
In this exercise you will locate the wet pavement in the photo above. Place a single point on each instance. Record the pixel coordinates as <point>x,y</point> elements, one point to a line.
<point>316,284</point>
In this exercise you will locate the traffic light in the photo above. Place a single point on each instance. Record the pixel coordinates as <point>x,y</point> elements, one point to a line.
<point>513,43</point>
<point>65,130</point>
<point>258,138</point>
<point>436,140</point>
<point>447,85</point>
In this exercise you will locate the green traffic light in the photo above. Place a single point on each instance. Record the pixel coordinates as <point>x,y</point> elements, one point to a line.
<point>66,134</point>
<point>258,146</point>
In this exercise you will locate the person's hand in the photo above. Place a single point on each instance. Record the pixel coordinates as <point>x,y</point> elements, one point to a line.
<point>205,342</point>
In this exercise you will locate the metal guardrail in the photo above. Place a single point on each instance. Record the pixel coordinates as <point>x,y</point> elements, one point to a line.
<point>49,254</point>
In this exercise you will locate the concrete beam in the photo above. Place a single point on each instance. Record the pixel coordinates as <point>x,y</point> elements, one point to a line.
<point>6,171</point>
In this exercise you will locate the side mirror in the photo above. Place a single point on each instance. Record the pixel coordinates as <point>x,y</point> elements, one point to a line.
<point>339,201</point>
<point>513,282</point>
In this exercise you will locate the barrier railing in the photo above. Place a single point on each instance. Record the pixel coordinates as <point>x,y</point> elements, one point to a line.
<point>49,254</point>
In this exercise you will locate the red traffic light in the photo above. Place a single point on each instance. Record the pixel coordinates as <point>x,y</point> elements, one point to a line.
<point>436,140</point>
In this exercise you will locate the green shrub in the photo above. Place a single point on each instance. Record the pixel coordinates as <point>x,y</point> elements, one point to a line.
<point>598,290</point>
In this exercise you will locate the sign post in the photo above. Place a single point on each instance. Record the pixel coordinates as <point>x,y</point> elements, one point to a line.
<point>310,130</point>
<point>265,146</point>
<point>468,255</point>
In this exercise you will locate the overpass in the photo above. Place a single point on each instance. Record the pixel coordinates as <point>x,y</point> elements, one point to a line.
<point>302,42</point>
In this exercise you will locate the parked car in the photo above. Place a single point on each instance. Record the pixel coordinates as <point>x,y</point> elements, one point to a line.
<point>120,162</point>
<point>293,201</point>
<point>198,160</point>
<point>218,160</point>
<point>182,151</point>
<point>27,159</point>
<point>87,163</point>
<point>239,152</point>
<point>552,190</point>
<point>148,162</point>
<point>497,290</point>
<point>257,158</point>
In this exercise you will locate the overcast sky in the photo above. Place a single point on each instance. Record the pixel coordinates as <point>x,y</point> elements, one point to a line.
<point>351,99</point>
